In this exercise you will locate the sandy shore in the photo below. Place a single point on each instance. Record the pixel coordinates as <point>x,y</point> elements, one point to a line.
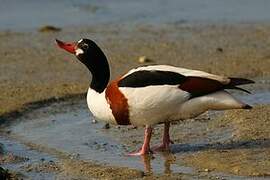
<point>33,69</point>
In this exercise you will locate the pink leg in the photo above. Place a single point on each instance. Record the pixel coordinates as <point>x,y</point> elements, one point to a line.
<point>165,146</point>
<point>146,144</point>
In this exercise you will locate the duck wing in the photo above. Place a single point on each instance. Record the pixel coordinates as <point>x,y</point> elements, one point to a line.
<point>195,82</point>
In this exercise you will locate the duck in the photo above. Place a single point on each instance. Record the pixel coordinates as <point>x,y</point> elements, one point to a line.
<point>154,94</point>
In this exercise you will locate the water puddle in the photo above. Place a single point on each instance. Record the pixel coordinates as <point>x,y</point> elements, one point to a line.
<point>73,133</point>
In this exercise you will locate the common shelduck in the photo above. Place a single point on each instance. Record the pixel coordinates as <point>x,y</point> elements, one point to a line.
<point>150,95</point>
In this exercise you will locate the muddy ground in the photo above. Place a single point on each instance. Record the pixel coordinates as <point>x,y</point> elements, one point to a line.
<point>35,74</point>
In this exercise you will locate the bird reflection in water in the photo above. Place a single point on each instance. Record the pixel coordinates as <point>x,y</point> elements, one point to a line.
<point>168,159</point>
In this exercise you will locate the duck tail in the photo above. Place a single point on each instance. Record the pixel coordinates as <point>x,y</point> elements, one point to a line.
<point>237,82</point>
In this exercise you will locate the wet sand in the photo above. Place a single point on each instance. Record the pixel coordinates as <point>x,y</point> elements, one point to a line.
<point>34,73</point>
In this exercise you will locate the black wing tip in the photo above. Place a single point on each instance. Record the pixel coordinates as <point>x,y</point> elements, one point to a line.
<point>237,82</point>
<point>240,81</point>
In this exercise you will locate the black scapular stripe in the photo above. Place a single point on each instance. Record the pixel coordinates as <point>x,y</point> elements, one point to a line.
<point>196,86</point>
<point>150,78</point>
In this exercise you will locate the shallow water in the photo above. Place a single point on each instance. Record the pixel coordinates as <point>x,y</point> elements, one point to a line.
<point>30,14</point>
<point>74,134</point>
<point>259,97</point>
<point>67,127</point>
<point>30,157</point>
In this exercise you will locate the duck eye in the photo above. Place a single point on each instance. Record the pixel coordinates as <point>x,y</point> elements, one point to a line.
<point>84,46</point>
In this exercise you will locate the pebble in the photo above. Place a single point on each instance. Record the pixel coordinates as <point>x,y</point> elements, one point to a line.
<point>94,121</point>
<point>8,131</point>
<point>236,170</point>
<point>49,28</point>
<point>106,126</point>
<point>222,178</point>
<point>143,59</point>
<point>219,49</point>
<point>73,156</point>
<point>95,143</point>
<point>29,168</point>
<point>132,127</point>
<point>256,174</point>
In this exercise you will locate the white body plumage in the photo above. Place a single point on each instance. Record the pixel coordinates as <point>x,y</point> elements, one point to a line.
<point>163,103</point>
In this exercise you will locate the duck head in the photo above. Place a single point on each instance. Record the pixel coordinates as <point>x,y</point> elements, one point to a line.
<point>88,52</point>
